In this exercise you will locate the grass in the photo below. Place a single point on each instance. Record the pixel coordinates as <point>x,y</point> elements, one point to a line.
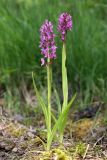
<point>20,21</point>
<point>88,50</point>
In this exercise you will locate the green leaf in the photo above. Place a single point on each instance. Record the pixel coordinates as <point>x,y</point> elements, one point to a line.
<point>41,102</point>
<point>57,101</point>
<point>66,111</point>
<point>60,123</point>
<point>54,118</point>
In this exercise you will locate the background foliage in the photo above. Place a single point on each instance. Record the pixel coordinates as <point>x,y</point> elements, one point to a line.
<point>20,21</point>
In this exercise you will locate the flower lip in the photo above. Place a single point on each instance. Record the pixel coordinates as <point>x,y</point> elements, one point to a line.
<point>42,61</point>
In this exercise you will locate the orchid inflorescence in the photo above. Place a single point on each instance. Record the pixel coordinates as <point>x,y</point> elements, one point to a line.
<point>47,42</point>
<point>64,24</point>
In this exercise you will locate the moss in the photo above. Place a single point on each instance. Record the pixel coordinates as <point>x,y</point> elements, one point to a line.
<point>81,128</point>
<point>16,130</point>
<point>81,148</point>
<point>60,154</point>
<point>56,154</point>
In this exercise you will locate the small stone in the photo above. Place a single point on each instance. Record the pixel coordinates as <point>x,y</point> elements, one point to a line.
<point>14,149</point>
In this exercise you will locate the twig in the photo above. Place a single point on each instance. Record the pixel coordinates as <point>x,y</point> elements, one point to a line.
<point>86,151</point>
<point>104,154</point>
<point>98,141</point>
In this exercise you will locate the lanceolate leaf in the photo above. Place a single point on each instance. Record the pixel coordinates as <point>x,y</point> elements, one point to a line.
<point>57,101</point>
<point>60,123</point>
<point>41,102</point>
<point>66,110</point>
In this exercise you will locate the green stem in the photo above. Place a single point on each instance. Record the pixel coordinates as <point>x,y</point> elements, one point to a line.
<point>64,86</point>
<point>49,103</point>
<point>64,77</point>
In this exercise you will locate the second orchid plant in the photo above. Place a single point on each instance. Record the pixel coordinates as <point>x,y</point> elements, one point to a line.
<point>48,50</point>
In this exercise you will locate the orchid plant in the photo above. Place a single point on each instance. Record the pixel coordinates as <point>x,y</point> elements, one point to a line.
<point>48,50</point>
<point>64,24</point>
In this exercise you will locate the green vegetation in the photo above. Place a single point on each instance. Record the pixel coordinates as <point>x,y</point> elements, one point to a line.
<point>20,21</point>
<point>25,131</point>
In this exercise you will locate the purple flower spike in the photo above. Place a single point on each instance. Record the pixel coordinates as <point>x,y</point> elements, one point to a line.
<point>64,24</point>
<point>47,42</point>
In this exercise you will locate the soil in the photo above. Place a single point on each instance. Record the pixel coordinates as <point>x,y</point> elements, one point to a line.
<point>85,137</point>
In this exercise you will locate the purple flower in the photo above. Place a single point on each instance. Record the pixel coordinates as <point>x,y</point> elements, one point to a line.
<point>47,42</point>
<point>64,24</point>
<point>42,61</point>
